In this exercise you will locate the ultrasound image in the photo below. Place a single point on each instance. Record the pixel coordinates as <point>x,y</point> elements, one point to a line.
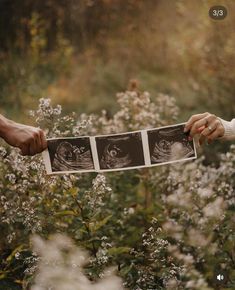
<point>120,151</point>
<point>70,154</point>
<point>169,144</point>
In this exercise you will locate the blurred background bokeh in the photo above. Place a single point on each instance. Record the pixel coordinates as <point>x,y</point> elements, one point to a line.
<point>80,53</point>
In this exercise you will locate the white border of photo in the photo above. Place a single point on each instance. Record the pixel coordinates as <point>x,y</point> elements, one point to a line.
<point>145,145</point>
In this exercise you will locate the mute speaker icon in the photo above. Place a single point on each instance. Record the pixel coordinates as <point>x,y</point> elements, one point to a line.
<point>220,277</point>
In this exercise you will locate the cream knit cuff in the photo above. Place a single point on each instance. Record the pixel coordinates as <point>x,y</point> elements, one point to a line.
<point>229,128</point>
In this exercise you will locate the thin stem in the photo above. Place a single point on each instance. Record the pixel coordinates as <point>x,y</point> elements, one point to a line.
<point>94,251</point>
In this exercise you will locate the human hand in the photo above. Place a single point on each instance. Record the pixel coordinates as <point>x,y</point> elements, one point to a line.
<point>207,125</point>
<point>29,139</point>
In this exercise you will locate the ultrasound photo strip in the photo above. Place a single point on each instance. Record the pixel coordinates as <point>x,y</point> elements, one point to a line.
<point>68,155</point>
<point>121,151</point>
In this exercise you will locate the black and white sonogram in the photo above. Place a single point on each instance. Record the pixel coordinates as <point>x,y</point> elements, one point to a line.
<point>169,144</point>
<point>120,151</point>
<point>72,154</point>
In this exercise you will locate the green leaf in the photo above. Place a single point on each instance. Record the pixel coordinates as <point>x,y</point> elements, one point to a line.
<point>3,275</point>
<point>118,250</point>
<point>66,212</point>
<point>125,270</point>
<point>73,191</point>
<point>95,226</point>
<point>12,255</point>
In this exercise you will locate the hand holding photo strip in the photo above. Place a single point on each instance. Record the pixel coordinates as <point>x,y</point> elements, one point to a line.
<point>122,151</point>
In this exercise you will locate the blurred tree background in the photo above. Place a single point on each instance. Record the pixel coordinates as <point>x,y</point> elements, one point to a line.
<point>81,52</point>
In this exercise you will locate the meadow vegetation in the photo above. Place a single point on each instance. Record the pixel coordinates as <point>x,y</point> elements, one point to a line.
<point>170,227</point>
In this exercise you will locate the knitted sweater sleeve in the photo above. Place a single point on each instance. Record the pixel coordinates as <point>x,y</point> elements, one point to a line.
<point>229,128</point>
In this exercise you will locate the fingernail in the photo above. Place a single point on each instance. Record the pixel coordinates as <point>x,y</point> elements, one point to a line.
<point>185,129</point>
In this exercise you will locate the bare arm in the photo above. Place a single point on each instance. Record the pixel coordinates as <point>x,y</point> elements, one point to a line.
<point>29,139</point>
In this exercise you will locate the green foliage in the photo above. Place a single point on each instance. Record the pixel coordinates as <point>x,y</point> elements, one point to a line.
<point>82,52</point>
<point>168,227</point>
<point>25,77</point>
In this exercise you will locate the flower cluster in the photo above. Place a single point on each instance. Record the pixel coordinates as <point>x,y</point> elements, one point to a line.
<point>167,227</point>
<point>61,265</point>
<point>138,111</point>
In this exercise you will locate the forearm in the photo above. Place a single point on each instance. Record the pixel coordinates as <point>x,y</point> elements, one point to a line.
<point>29,139</point>
<point>229,128</point>
<point>4,126</point>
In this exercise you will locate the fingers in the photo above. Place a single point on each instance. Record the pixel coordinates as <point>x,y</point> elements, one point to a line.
<point>43,140</point>
<point>205,120</point>
<point>35,143</point>
<point>25,150</point>
<point>210,128</point>
<point>218,132</point>
<point>194,119</point>
<point>209,139</point>
<point>38,144</point>
<point>212,132</point>
<point>198,127</point>
<point>213,136</point>
<point>207,125</point>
